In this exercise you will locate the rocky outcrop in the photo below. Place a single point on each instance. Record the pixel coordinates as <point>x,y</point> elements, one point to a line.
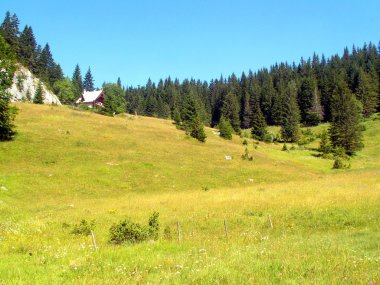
<point>24,87</point>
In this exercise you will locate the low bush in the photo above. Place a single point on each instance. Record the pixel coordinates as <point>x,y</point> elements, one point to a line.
<point>83,228</point>
<point>128,231</point>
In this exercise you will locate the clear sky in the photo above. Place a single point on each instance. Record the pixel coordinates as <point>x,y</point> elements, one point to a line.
<point>192,38</point>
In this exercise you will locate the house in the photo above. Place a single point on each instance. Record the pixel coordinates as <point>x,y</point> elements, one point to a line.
<point>92,98</point>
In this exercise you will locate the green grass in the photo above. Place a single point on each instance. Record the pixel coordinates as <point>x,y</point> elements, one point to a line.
<point>67,165</point>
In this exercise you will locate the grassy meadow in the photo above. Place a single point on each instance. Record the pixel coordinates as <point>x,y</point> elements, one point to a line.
<point>67,165</point>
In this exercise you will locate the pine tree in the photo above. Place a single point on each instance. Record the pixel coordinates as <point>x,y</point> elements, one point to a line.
<point>191,120</point>
<point>197,130</point>
<point>290,126</point>
<point>247,112</point>
<point>225,129</point>
<point>119,82</point>
<point>9,29</point>
<point>88,83</point>
<point>230,111</point>
<point>7,113</point>
<point>28,47</point>
<point>39,94</point>
<point>77,82</point>
<point>366,94</point>
<point>345,130</point>
<point>258,121</point>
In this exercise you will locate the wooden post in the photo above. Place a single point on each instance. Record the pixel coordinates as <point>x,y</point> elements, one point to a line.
<point>179,231</point>
<point>270,221</point>
<point>226,228</point>
<point>93,240</point>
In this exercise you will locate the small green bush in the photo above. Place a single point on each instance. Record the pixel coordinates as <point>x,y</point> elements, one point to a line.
<point>128,231</point>
<point>83,228</point>
<point>284,147</point>
<point>167,233</point>
<point>246,155</point>
<point>268,138</point>
<point>339,164</point>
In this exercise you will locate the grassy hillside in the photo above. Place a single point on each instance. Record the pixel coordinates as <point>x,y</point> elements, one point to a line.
<point>67,165</point>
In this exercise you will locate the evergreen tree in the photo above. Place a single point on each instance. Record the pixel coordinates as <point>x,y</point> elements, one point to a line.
<point>9,29</point>
<point>77,82</point>
<point>290,127</point>
<point>28,47</point>
<point>345,130</point>
<point>119,82</point>
<point>230,111</point>
<point>114,102</point>
<point>258,122</point>
<point>7,113</point>
<point>366,94</point>
<point>197,130</point>
<point>88,83</point>
<point>225,129</point>
<point>177,117</point>
<point>39,94</point>
<point>190,119</point>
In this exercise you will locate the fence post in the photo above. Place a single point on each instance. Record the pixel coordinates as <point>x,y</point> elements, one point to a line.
<point>226,227</point>
<point>93,240</point>
<point>270,221</point>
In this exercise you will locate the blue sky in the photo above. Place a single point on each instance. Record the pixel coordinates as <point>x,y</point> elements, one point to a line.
<point>192,38</point>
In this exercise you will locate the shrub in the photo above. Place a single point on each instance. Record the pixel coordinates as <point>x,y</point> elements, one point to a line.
<point>339,164</point>
<point>153,225</point>
<point>246,155</point>
<point>128,231</point>
<point>83,228</point>
<point>268,138</point>
<point>284,147</point>
<point>167,233</point>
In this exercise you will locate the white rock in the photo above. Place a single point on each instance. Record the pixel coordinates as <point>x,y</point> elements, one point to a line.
<point>3,188</point>
<point>227,157</point>
<point>29,83</point>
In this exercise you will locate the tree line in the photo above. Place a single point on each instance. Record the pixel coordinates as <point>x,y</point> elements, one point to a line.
<point>285,94</point>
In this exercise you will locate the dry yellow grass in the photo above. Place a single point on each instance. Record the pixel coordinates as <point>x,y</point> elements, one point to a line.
<point>67,165</point>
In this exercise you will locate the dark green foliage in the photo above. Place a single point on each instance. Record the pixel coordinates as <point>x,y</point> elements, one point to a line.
<point>324,145</point>
<point>114,102</point>
<point>9,30</point>
<point>197,130</point>
<point>83,228</point>
<point>177,117</point>
<point>225,129</point>
<point>77,82</point>
<point>28,47</point>
<point>258,122</point>
<point>7,113</point>
<point>88,83</point>
<point>39,94</point>
<point>154,225</point>
<point>191,120</point>
<point>284,147</point>
<point>345,128</point>
<point>340,164</point>
<point>290,126</point>
<point>131,232</point>
<point>230,111</point>
<point>366,93</point>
